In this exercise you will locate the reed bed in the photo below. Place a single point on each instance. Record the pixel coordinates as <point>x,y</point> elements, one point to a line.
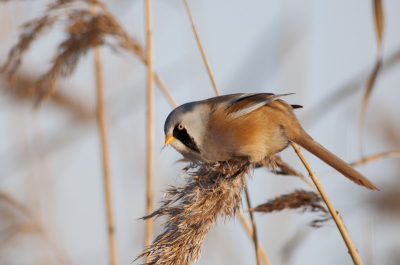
<point>211,192</point>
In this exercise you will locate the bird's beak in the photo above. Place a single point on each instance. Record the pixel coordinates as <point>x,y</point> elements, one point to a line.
<point>168,140</point>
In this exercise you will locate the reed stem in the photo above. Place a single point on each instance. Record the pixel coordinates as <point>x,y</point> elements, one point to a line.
<point>202,50</point>
<point>102,121</point>
<point>164,89</point>
<point>338,220</point>
<point>253,224</point>
<point>249,231</point>
<point>150,123</point>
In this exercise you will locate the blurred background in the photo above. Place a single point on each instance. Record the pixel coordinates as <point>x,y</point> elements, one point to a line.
<point>52,202</point>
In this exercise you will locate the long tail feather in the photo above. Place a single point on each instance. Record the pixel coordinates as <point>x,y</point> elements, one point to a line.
<point>304,140</point>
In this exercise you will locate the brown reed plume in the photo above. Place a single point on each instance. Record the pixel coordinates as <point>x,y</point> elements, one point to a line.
<point>85,30</point>
<point>279,167</point>
<point>306,200</point>
<point>211,192</point>
<point>299,199</point>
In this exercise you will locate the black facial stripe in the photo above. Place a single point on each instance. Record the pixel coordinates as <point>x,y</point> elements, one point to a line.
<point>184,137</point>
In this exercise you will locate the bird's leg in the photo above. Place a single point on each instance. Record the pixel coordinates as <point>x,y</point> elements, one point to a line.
<point>237,173</point>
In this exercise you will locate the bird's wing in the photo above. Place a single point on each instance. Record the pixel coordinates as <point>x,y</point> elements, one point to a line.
<point>246,103</point>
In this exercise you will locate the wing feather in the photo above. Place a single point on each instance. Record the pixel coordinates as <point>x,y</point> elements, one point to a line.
<point>256,101</point>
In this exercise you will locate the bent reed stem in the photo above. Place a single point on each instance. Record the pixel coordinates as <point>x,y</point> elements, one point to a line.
<point>338,220</point>
<point>102,121</point>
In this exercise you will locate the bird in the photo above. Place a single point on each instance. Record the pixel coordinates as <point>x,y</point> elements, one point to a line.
<point>245,128</point>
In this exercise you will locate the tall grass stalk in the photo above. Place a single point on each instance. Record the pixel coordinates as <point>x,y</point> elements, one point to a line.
<point>202,50</point>
<point>253,224</point>
<point>249,230</point>
<point>102,121</point>
<point>338,220</point>
<point>164,89</point>
<point>380,27</point>
<point>150,123</point>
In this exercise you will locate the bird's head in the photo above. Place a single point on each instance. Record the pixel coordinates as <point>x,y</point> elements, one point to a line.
<point>185,129</point>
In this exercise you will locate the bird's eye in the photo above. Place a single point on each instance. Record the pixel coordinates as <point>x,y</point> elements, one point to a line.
<point>181,126</point>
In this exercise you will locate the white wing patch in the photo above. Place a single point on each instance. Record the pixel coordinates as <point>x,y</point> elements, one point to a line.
<point>256,105</point>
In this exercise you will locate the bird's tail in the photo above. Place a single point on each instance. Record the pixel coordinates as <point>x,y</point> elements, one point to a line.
<point>301,138</point>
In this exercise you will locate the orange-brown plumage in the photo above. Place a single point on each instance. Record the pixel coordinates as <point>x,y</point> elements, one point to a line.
<point>246,127</point>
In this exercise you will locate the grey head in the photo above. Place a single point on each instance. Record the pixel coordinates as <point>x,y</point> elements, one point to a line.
<point>185,129</point>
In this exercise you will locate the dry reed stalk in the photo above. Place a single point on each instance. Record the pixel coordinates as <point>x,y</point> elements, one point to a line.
<point>165,90</point>
<point>249,231</point>
<point>338,220</point>
<point>211,192</point>
<point>347,89</point>
<point>202,50</point>
<point>379,24</point>
<point>253,224</point>
<point>150,123</point>
<point>374,157</point>
<point>102,121</point>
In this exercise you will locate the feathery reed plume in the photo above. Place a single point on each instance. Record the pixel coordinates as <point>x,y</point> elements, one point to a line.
<point>24,90</point>
<point>279,167</point>
<point>305,200</point>
<point>84,29</point>
<point>211,192</point>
